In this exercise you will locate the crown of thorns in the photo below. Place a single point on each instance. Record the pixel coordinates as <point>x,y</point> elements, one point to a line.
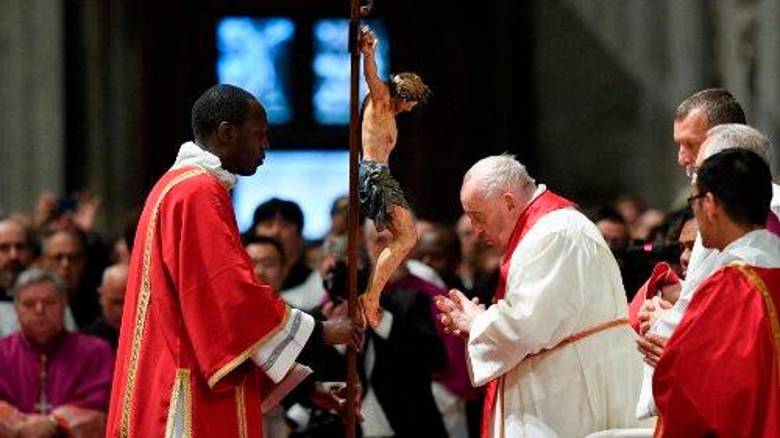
<point>409,86</point>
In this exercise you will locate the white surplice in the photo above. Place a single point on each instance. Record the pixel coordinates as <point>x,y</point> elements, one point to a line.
<point>562,280</point>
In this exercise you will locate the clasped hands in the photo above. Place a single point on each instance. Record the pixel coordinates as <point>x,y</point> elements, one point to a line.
<point>457,312</point>
<point>651,346</point>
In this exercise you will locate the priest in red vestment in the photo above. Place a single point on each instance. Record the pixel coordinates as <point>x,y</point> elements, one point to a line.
<point>719,373</point>
<point>204,349</point>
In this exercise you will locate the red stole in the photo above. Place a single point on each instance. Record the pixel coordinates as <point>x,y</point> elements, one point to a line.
<point>545,203</point>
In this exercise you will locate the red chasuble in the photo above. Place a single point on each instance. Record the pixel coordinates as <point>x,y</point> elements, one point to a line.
<point>193,315</point>
<point>545,203</point>
<point>720,372</point>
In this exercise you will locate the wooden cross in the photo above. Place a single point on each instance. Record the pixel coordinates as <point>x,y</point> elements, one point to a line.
<point>356,13</point>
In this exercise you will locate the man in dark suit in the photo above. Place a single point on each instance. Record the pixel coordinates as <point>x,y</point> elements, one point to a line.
<point>398,360</point>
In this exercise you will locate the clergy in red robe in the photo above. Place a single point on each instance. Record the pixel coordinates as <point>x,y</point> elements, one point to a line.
<point>203,348</point>
<point>719,373</point>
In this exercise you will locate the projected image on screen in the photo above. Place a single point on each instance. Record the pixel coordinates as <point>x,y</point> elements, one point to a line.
<point>254,54</point>
<point>313,179</point>
<point>331,69</point>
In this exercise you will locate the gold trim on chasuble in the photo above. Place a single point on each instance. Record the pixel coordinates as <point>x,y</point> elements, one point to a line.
<point>771,309</point>
<point>238,360</point>
<point>143,305</point>
<point>181,386</point>
<point>241,410</point>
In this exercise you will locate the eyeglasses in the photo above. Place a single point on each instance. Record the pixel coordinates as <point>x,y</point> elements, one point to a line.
<point>695,197</point>
<point>61,257</point>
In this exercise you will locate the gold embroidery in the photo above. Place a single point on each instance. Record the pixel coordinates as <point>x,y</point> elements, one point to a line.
<point>238,360</point>
<point>187,387</point>
<point>172,407</point>
<point>143,304</point>
<point>241,410</point>
<point>181,386</point>
<point>771,310</point>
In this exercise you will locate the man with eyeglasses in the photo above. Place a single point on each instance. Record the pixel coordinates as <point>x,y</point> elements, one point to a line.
<point>703,260</point>
<point>718,375</point>
<point>63,253</point>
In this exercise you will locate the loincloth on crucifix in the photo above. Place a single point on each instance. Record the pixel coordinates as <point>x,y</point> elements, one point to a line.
<point>379,192</point>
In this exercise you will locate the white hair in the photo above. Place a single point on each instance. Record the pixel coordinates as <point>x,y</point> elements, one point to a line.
<point>35,276</point>
<point>735,135</point>
<point>500,173</point>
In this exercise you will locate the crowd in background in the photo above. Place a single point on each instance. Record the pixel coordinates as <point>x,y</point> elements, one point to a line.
<point>62,286</point>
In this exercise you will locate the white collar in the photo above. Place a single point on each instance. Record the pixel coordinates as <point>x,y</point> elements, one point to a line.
<point>757,248</point>
<point>190,154</point>
<point>541,188</point>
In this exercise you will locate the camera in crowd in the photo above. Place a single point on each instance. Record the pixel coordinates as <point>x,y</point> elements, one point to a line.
<point>653,252</point>
<point>336,278</point>
<point>639,259</point>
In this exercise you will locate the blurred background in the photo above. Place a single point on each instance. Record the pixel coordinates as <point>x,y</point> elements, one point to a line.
<point>96,94</point>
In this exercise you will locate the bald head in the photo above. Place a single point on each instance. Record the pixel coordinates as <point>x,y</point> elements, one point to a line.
<point>115,274</point>
<point>112,293</point>
<point>14,251</point>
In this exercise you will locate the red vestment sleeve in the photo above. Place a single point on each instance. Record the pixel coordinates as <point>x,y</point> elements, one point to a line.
<point>662,275</point>
<point>718,375</point>
<point>226,313</point>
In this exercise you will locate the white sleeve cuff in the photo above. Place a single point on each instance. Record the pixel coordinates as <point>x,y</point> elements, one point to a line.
<point>296,375</point>
<point>385,325</point>
<point>277,356</point>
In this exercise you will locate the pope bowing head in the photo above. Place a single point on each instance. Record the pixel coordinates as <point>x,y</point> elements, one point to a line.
<point>495,192</point>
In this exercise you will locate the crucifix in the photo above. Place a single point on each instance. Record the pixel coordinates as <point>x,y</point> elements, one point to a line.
<point>357,11</point>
